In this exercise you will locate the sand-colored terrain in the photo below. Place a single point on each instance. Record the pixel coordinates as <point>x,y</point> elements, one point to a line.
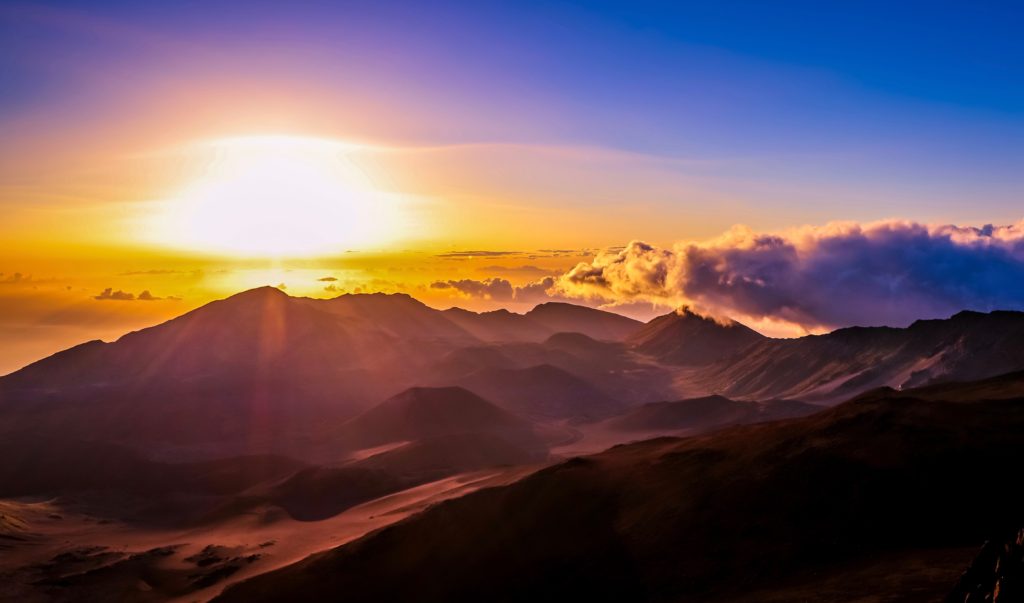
<point>57,551</point>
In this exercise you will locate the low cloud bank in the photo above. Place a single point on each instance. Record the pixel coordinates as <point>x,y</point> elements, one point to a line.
<point>835,275</point>
<point>499,289</point>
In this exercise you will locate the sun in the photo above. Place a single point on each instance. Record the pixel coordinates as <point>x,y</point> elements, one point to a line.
<point>279,196</point>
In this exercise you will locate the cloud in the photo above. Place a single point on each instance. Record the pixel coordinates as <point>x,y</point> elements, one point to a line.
<point>110,294</point>
<point>528,269</point>
<point>839,274</point>
<point>146,296</point>
<point>475,254</point>
<point>539,291</point>
<point>327,279</point>
<point>497,289</point>
<point>19,279</point>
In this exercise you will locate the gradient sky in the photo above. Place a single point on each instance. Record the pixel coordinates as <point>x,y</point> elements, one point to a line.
<point>503,126</point>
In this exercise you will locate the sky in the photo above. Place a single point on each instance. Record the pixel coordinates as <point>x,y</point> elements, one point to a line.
<point>633,155</point>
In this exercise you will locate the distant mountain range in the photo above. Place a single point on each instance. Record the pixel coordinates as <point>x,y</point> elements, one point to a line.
<point>730,466</point>
<point>263,372</point>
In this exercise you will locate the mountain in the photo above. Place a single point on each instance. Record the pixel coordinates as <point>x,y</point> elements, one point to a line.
<point>259,371</point>
<point>707,413</point>
<point>265,373</point>
<point>399,315</point>
<point>543,391</point>
<point>33,467</point>
<point>685,338</point>
<point>252,371</point>
<point>543,321</point>
<point>885,489</point>
<point>560,317</point>
<point>966,347</point>
<point>433,458</point>
<point>498,325</point>
<point>319,492</point>
<point>258,329</point>
<point>428,412</point>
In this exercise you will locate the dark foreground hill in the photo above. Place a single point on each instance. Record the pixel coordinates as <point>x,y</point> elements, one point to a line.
<point>884,476</point>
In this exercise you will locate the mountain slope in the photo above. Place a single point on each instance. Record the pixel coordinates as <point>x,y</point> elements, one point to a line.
<point>831,367</point>
<point>707,413</point>
<point>683,337</point>
<point>432,458</point>
<point>399,315</point>
<point>703,517</point>
<point>498,325</point>
<point>560,317</point>
<point>542,391</point>
<point>424,412</point>
<point>541,322</point>
<point>257,372</point>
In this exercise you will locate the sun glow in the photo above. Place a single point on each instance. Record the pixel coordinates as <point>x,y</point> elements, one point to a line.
<point>279,196</point>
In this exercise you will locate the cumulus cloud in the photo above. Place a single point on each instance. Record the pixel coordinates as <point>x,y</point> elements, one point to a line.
<point>24,280</point>
<point>834,275</point>
<point>539,291</point>
<point>110,294</point>
<point>497,289</point>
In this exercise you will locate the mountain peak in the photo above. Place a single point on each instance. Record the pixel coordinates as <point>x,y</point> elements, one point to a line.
<point>403,299</point>
<point>264,292</point>
<point>685,337</point>
<point>599,324</point>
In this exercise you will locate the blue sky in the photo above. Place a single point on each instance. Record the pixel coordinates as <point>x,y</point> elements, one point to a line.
<point>911,109</point>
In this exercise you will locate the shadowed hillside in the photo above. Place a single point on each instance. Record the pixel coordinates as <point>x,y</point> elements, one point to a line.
<point>707,413</point>
<point>423,412</point>
<point>710,516</point>
<point>831,367</point>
